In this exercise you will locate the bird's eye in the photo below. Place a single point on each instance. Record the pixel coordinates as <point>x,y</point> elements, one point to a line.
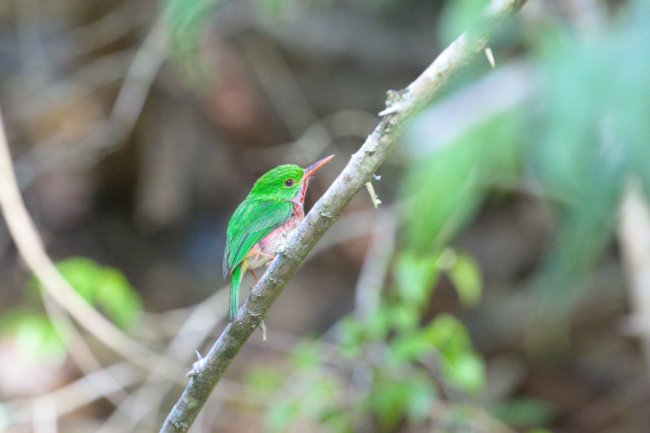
<point>288,183</point>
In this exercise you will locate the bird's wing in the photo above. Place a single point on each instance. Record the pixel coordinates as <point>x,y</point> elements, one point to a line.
<point>249,224</point>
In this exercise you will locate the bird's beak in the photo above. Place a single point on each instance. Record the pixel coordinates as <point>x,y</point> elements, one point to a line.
<point>317,166</point>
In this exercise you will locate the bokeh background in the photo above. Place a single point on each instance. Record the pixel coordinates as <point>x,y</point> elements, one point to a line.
<point>501,286</point>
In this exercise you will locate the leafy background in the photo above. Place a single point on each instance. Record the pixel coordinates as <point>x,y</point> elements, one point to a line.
<point>487,294</point>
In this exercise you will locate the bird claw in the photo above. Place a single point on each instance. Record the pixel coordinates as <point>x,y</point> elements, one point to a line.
<point>198,366</point>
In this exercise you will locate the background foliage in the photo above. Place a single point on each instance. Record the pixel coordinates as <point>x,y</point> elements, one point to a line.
<point>485,295</point>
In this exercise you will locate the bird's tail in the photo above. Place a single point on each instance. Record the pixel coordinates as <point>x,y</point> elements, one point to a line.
<point>237,276</point>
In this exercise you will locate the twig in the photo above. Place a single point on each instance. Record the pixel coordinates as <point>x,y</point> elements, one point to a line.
<point>79,393</point>
<point>375,267</point>
<point>359,170</point>
<point>339,124</point>
<point>30,246</point>
<point>634,235</point>
<point>373,195</point>
<point>105,137</point>
<point>203,318</point>
<point>284,91</point>
<point>490,57</point>
<point>79,350</point>
<point>45,416</point>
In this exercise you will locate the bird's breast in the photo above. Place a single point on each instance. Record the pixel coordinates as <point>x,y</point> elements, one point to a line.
<point>263,251</point>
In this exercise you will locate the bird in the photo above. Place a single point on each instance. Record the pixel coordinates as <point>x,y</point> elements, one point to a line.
<point>273,208</point>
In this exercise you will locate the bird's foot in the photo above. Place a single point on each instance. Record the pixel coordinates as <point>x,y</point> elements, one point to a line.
<point>198,366</point>
<point>269,258</point>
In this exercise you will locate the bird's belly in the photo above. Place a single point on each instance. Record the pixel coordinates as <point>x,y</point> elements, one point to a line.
<point>263,251</point>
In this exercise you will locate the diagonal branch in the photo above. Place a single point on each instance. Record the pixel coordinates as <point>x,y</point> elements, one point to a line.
<point>363,164</point>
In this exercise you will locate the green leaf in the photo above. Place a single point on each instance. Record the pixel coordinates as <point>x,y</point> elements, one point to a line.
<point>465,274</point>
<point>81,273</point>
<point>306,355</point>
<point>273,8</point>
<point>440,194</point>
<point>377,326</point>
<point>525,413</point>
<point>415,276</point>
<point>410,347</point>
<point>264,380</point>
<point>103,287</point>
<point>421,398</point>
<point>459,364</point>
<point>457,16</point>
<point>351,337</point>
<point>388,402</point>
<point>117,298</point>
<point>34,335</point>
<point>447,334</point>
<point>281,415</point>
<point>187,23</point>
<point>404,317</point>
<point>465,370</point>
<point>444,187</point>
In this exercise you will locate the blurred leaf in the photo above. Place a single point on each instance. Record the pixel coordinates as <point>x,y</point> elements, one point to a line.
<point>273,8</point>
<point>337,420</point>
<point>351,337</point>
<point>264,380</point>
<point>466,277</point>
<point>187,21</point>
<point>377,326</point>
<point>404,317</point>
<point>389,401</point>
<point>421,399</point>
<point>322,393</point>
<point>459,364</point>
<point>415,276</point>
<point>279,8</point>
<point>117,298</point>
<point>591,138</point>
<point>34,335</point>
<point>447,334</point>
<point>104,287</point>
<point>464,370</point>
<point>443,189</point>
<point>281,415</point>
<point>458,16</point>
<point>440,195</point>
<point>81,273</point>
<point>407,395</point>
<point>525,413</point>
<point>306,355</point>
<point>410,347</point>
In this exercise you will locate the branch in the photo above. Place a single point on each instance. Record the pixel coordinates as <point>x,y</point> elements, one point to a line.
<point>363,164</point>
<point>30,246</point>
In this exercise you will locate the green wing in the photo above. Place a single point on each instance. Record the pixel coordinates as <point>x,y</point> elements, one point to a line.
<point>249,224</point>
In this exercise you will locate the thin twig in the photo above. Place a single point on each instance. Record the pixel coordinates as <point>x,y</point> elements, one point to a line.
<point>106,136</point>
<point>634,235</point>
<point>30,246</point>
<point>79,350</point>
<point>375,267</point>
<point>359,170</point>
<point>79,393</point>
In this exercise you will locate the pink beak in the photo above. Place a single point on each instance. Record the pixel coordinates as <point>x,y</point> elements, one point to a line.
<point>309,171</point>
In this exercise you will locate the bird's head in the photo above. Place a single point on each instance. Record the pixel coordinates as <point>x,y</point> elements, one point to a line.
<point>287,182</point>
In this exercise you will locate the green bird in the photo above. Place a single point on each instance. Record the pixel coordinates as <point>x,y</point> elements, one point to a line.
<point>272,210</point>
